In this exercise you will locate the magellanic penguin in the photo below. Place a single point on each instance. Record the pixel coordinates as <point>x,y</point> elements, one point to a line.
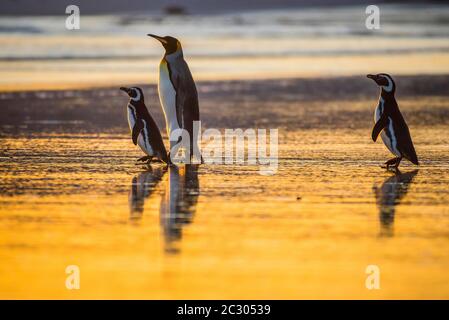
<point>177,92</point>
<point>144,130</point>
<point>390,123</point>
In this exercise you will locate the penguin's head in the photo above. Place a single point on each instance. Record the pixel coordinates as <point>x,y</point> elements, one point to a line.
<point>171,45</point>
<point>383,80</point>
<point>135,93</point>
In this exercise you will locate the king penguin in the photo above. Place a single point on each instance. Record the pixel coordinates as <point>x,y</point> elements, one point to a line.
<point>144,130</point>
<point>177,92</point>
<point>390,123</point>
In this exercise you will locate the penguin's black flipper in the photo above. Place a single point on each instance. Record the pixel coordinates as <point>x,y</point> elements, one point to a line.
<point>379,126</point>
<point>186,93</point>
<point>138,126</point>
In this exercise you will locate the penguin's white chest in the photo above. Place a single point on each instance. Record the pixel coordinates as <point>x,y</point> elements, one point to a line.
<point>143,139</point>
<point>388,134</point>
<point>167,95</point>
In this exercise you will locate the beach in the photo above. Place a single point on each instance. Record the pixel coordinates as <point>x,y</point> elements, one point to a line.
<point>72,195</point>
<point>73,198</point>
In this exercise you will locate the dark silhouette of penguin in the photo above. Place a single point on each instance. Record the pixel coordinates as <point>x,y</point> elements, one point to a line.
<point>178,204</point>
<point>177,93</point>
<point>144,130</point>
<point>389,195</point>
<point>142,186</point>
<point>390,123</point>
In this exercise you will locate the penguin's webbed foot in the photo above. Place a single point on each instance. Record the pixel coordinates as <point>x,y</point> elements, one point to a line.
<point>392,163</point>
<point>145,158</point>
<point>149,160</point>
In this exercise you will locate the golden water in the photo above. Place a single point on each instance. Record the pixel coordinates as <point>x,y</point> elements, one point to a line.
<point>217,231</point>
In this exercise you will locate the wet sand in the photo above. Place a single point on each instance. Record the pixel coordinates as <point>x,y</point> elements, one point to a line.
<point>70,194</point>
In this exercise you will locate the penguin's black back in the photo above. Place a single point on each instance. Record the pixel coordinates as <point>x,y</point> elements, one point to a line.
<point>187,106</point>
<point>155,137</point>
<point>402,133</point>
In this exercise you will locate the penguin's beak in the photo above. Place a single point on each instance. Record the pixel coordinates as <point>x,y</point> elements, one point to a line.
<point>379,80</point>
<point>373,77</point>
<point>160,39</point>
<point>125,89</point>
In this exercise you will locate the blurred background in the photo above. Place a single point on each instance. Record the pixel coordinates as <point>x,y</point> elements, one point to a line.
<point>221,39</point>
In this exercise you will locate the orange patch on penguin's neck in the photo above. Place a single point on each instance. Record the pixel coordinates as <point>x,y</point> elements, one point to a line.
<point>164,64</point>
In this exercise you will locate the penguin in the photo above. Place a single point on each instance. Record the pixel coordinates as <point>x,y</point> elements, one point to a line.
<point>177,92</point>
<point>390,123</point>
<point>144,130</point>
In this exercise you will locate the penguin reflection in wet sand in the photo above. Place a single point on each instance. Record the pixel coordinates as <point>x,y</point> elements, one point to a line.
<point>177,91</point>
<point>178,205</point>
<point>389,195</point>
<point>142,186</point>
<point>390,124</point>
<point>144,130</point>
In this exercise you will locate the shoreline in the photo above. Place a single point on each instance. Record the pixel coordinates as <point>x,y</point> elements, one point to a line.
<point>424,77</point>
<point>300,103</point>
<point>58,87</point>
